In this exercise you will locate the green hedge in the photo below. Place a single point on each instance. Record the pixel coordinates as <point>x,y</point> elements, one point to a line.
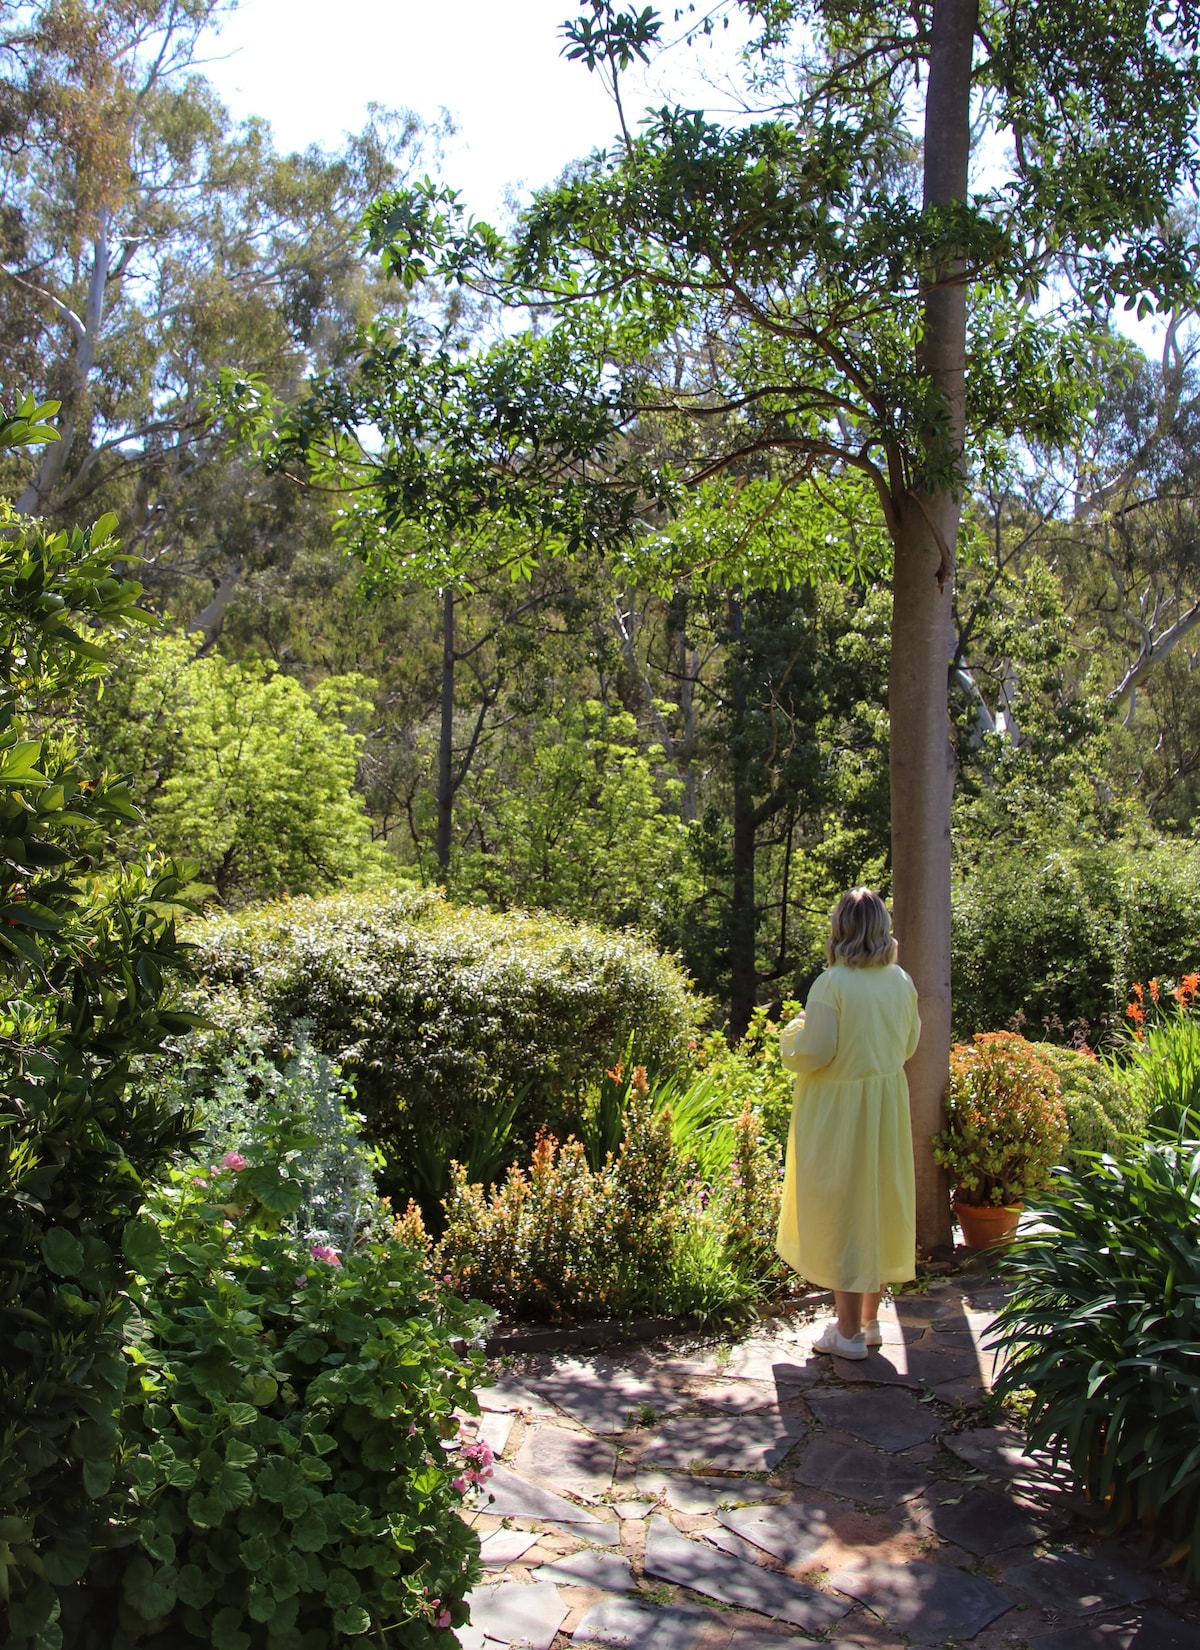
<point>441,1014</point>
<point>1050,943</point>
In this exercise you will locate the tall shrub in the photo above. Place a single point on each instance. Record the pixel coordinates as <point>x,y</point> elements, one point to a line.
<point>87,952</point>
<point>440,1015</point>
<point>1052,944</point>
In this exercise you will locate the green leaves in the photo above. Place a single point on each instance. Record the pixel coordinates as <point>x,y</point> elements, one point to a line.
<point>144,1248</point>
<point>1005,1124</point>
<point>1102,1329</point>
<point>88,952</point>
<point>293,1512</point>
<point>62,1252</point>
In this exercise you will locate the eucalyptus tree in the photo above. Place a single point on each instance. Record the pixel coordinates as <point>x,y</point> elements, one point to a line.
<point>147,241</point>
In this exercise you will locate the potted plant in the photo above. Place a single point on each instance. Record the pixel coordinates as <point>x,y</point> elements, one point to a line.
<point>1005,1132</point>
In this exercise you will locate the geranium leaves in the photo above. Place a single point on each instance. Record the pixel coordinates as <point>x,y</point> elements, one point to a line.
<point>314,1507</point>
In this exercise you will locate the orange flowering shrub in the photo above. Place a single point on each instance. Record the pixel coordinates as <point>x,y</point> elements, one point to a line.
<point>1006,1127</point>
<point>562,1239</point>
<point>659,1227</point>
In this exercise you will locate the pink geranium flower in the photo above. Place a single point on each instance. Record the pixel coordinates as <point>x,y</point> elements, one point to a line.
<point>235,1161</point>
<point>322,1251</point>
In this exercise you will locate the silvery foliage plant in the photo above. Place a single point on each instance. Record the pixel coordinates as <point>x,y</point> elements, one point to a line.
<point>252,1096</point>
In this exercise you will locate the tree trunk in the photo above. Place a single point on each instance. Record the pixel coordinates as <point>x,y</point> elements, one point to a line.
<point>743,971</point>
<point>38,495</point>
<point>445,772</point>
<point>925,535</point>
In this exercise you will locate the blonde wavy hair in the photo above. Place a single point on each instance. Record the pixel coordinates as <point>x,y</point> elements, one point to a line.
<point>860,932</point>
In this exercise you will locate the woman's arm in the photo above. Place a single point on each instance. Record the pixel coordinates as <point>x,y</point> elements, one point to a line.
<point>810,1040</point>
<point>914,1030</point>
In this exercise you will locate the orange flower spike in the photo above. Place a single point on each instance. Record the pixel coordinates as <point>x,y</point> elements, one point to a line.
<point>1138,993</point>
<point>1154,990</point>
<point>1136,1013</point>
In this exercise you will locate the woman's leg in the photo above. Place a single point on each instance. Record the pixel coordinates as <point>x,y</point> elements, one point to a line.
<point>854,1310</point>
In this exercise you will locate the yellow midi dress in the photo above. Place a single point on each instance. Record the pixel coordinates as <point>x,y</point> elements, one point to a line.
<point>848,1218</point>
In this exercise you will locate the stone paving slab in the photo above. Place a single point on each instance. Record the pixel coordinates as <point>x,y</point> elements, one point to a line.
<point>736,1397</point>
<point>505,1395</point>
<point>632,1511</point>
<point>858,1473</point>
<point>781,1363</point>
<point>588,1569</point>
<point>892,1420</point>
<point>672,1557</point>
<point>494,1429</point>
<point>506,1546</point>
<point>1151,1630</point>
<point>510,1496</point>
<point>695,1493</point>
<point>967,1393</point>
<point>792,1533</point>
<point>601,1396</point>
<point>936,1600</point>
<point>567,1460</point>
<point>914,1366</point>
<point>596,1535</point>
<point>513,1614</point>
<point>734,1443</point>
<point>760,1639</point>
<point>982,1523</point>
<point>726,1541</point>
<point>629,1626</point>
<point>1079,1584</point>
<point>1000,1451</point>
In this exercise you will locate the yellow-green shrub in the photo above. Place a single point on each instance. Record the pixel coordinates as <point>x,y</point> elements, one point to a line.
<point>1103,1114</point>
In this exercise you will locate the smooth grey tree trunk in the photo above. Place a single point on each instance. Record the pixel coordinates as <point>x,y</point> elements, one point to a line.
<point>925,533</point>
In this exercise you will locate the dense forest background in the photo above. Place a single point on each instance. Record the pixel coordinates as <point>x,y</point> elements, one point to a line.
<point>695,744</point>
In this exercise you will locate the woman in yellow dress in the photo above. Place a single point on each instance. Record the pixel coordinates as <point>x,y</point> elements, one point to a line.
<point>848,1220</point>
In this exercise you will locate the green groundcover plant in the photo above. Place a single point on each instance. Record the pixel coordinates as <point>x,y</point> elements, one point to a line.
<point>289,1471</point>
<point>1103,1330</point>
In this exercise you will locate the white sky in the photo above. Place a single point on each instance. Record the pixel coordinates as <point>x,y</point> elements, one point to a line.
<point>522,111</point>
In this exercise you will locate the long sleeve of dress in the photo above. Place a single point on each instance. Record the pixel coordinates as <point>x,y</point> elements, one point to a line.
<point>810,1040</point>
<point>914,1033</point>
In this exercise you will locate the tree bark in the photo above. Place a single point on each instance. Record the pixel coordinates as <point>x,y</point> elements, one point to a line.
<point>925,533</point>
<point>38,495</point>
<point>445,772</point>
<point>743,970</point>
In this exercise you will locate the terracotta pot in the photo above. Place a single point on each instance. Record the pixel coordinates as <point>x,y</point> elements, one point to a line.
<point>986,1226</point>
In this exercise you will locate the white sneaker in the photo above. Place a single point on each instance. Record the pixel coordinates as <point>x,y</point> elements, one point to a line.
<point>832,1340</point>
<point>872,1334</point>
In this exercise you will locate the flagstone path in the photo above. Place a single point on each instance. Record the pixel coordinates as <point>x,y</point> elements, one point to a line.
<point>755,1496</point>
